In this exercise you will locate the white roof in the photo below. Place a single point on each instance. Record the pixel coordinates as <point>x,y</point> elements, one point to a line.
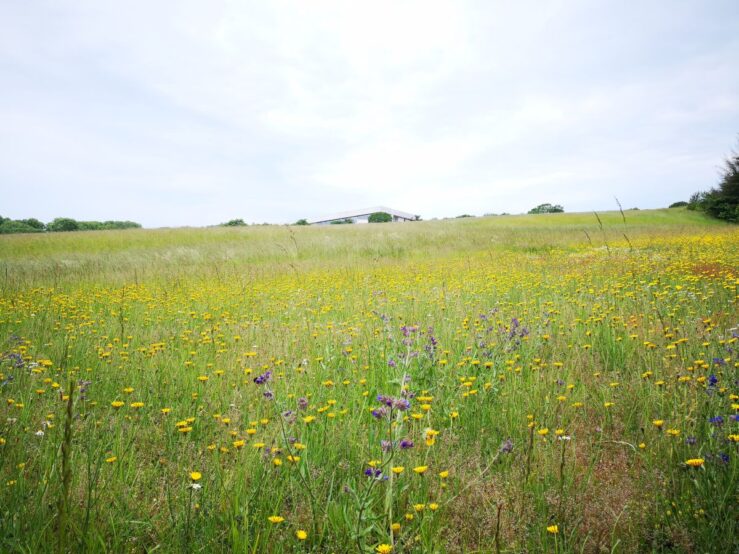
<point>365,211</point>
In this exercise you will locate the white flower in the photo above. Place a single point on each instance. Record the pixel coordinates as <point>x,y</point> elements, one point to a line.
<point>39,433</point>
<point>195,486</point>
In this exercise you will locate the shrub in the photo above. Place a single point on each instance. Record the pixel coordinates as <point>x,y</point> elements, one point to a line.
<point>9,226</point>
<point>547,209</point>
<point>680,204</point>
<point>234,223</point>
<point>63,224</point>
<point>380,217</point>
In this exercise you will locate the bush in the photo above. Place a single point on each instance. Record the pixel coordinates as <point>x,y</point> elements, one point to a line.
<point>35,223</point>
<point>721,202</point>
<point>380,217</point>
<point>63,224</point>
<point>547,209</point>
<point>346,221</point>
<point>301,222</point>
<point>680,204</point>
<point>9,226</point>
<point>234,223</point>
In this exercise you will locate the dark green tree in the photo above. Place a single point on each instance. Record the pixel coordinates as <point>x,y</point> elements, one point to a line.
<point>301,222</point>
<point>380,217</point>
<point>63,224</point>
<point>547,209</point>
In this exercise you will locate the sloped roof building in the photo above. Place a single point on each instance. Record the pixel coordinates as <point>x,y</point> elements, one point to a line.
<point>362,216</point>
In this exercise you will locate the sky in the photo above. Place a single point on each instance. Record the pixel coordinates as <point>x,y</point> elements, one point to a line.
<point>177,113</point>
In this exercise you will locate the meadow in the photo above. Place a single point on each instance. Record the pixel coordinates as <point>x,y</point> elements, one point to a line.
<point>548,383</point>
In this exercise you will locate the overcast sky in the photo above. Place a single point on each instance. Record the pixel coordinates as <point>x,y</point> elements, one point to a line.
<point>196,112</point>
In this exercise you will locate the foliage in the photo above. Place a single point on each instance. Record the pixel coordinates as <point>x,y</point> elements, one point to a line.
<point>63,224</point>
<point>347,221</point>
<point>234,223</point>
<point>33,222</point>
<point>722,202</point>
<point>301,222</point>
<point>547,209</point>
<point>9,227</point>
<point>680,204</point>
<point>380,217</point>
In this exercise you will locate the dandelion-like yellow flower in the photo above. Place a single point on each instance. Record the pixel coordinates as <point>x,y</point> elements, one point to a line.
<point>542,432</point>
<point>695,462</point>
<point>196,475</point>
<point>301,535</point>
<point>420,470</point>
<point>276,519</point>
<point>397,470</point>
<point>117,403</point>
<point>383,549</point>
<point>553,529</point>
<point>658,423</point>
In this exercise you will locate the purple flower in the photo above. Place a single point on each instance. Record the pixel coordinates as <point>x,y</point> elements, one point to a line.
<point>386,445</point>
<point>405,444</point>
<point>712,380</point>
<point>718,421</point>
<point>268,394</point>
<point>691,441</point>
<point>374,473</point>
<point>506,446</point>
<point>263,378</point>
<point>391,363</point>
<point>379,413</point>
<point>303,403</point>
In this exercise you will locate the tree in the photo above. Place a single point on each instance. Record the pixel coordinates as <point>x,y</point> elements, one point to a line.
<point>33,222</point>
<point>380,217</point>
<point>301,222</point>
<point>721,202</point>
<point>63,224</point>
<point>234,223</point>
<point>346,221</point>
<point>9,226</point>
<point>547,209</point>
<point>680,204</point>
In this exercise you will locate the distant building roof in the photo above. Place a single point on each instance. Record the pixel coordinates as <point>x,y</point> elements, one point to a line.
<point>363,212</point>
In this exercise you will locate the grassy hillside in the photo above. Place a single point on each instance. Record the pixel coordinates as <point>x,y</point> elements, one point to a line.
<point>501,384</point>
<point>121,256</point>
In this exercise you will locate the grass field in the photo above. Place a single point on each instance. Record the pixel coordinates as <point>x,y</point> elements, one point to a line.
<point>559,383</point>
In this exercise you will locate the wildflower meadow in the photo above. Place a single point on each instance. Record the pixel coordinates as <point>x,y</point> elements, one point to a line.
<point>547,383</point>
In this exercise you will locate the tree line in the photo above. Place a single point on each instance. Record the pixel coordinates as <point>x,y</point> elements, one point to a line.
<point>60,224</point>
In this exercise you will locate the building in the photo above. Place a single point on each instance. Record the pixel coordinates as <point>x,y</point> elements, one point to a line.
<point>362,216</point>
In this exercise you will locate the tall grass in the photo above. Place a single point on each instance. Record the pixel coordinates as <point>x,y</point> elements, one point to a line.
<point>500,384</point>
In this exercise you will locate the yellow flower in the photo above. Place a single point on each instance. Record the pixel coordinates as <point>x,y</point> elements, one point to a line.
<point>420,470</point>
<point>397,470</point>
<point>276,519</point>
<point>433,506</point>
<point>111,459</point>
<point>196,475</point>
<point>658,423</point>
<point>553,529</point>
<point>309,419</point>
<point>395,527</point>
<point>137,404</point>
<point>543,432</point>
<point>203,378</point>
<point>419,507</point>
<point>301,535</point>
<point>444,474</point>
<point>695,462</point>
<point>383,549</point>
<point>117,403</point>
